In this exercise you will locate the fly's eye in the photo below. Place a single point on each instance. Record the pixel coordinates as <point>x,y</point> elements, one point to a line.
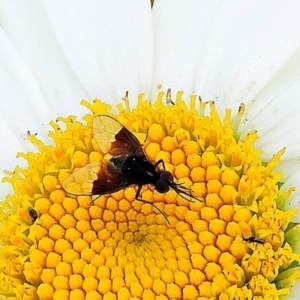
<point>167,176</point>
<point>162,186</point>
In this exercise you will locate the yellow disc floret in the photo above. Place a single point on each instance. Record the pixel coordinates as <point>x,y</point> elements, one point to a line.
<point>234,240</point>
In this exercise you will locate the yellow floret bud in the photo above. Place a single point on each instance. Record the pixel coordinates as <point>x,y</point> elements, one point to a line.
<point>56,211</point>
<point>90,284</point>
<point>78,265</point>
<point>45,291</point>
<point>123,293</point>
<point>84,201</point>
<point>196,277</point>
<point>209,159</point>
<point>174,291</point>
<point>213,173</point>
<point>94,295</point>
<point>90,236</point>
<point>38,257</point>
<point>82,214</point>
<point>169,144</point>
<point>47,221</point>
<point>42,205</point>
<point>221,281</point>
<point>178,157</point>
<point>167,276</point>
<point>77,294</point>
<point>226,213</point>
<point>159,287</point>
<point>191,148</point>
<point>37,232</point>
<point>48,275</point>
<point>46,245</point>
<point>104,286</point>
<point>217,226</point>
<point>228,193</point>
<point>61,295</point>
<point>32,272</point>
<point>211,270</point>
<point>199,226</point>
<point>87,254</point>
<point>207,238</point>
<point>52,260</point>
<point>193,161</point>
<point>80,244</point>
<point>238,249</point>
<point>182,135</point>
<point>75,281</point>
<point>198,174</point>
<point>56,232</point>
<point>205,290</point>
<point>70,205</point>
<point>57,196</point>
<point>182,171</point>
<point>165,156</point>
<point>117,283</point>
<point>211,253</point>
<point>190,292</point>
<point>69,256</point>
<point>233,229</point>
<point>156,133</point>
<point>83,226</point>
<point>208,214</point>
<point>198,261</point>
<point>214,201</point>
<point>72,234</point>
<point>230,177</point>
<point>152,150</point>
<point>224,242</point>
<point>67,221</point>
<point>63,269</point>
<point>80,159</point>
<point>50,183</point>
<point>214,186</point>
<point>242,215</point>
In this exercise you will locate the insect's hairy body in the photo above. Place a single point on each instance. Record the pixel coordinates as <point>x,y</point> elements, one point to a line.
<point>136,169</point>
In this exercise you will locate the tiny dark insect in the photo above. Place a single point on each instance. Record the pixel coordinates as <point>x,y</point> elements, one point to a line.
<point>127,166</point>
<point>253,239</point>
<point>33,214</point>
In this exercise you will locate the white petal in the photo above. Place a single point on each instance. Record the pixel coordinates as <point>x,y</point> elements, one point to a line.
<point>223,50</point>
<point>179,31</point>
<point>22,104</point>
<point>247,44</point>
<point>108,45</point>
<point>27,26</point>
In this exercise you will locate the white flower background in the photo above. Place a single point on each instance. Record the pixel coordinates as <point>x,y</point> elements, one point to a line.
<point>54,53</point>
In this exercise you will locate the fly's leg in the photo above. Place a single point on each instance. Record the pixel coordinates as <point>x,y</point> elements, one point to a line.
<point>160,162</point>
<point>145,201</point>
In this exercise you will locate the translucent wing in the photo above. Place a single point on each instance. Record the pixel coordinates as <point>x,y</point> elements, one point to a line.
<point>113,138</point>
<point>97,178</point>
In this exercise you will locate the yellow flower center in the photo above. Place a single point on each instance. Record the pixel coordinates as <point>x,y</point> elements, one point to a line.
<point>237,243</point>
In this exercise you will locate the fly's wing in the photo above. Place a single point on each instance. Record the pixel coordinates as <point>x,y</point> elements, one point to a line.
<point>97,178</point>
<point>113,138</point>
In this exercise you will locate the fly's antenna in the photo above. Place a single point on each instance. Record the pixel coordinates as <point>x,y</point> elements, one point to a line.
<point>184,192</point>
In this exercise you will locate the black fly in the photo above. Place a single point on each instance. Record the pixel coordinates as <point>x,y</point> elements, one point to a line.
<point>127,166</point>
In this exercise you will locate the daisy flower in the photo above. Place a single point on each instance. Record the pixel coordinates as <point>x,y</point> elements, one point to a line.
<point>235,149</point>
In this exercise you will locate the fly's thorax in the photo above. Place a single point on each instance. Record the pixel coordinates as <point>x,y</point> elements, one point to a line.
<point>136,169</point>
